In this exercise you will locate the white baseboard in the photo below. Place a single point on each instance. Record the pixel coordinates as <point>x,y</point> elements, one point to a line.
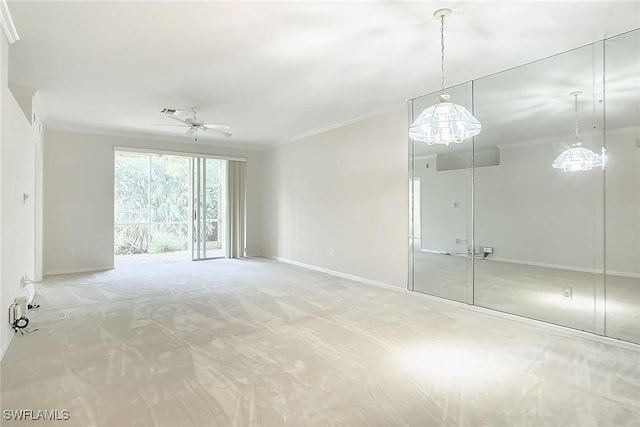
<point>78,270</point>
<point>513,317</point>
<point>337,273</point>
<point>623,274</point>
<point>540,264</point>
<point>434,251</point>
<point>256,255</point>
<point>566,267</point>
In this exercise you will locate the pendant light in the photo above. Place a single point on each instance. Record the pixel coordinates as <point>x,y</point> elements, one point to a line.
<point>577,158</point>
<point>444,122</point>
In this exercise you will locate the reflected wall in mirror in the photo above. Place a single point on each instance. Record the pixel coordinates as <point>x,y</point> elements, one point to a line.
<point>442,210</point>
<point>544,224</point>
<point>622,185</point>
<point>500,228</point>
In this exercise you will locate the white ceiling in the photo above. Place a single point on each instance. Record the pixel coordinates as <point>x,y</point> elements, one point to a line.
<point>275,71</point>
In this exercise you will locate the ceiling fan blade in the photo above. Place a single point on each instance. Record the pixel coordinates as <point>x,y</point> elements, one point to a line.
<point>180,126</point>
<point>180,120</point>
<point>190,131</point>
<point>222,131</point>
<point>217,127</point>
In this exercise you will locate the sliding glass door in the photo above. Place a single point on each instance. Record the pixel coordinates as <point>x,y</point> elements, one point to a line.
<point>151,203</point>
<point>207,189</point>
<point>178,203</point>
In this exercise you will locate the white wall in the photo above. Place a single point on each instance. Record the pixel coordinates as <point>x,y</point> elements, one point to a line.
<point>445,207</point>
<point>9,292</point>
<point>39,191</point>
<point>5,295</point>
<point>623,201</point>
<point>78,196</point>
<point>532,213</point>
<point>339,200</point>
<point>17,171</point>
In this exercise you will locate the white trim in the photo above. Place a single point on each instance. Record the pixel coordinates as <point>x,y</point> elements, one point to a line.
<point>6,22</point>
<point>458,254</point>
<point>623,274</point>
<point>539,264</point>
<point>79,270</point>
<point>176,153</point>
<point>554,142</point>
<point>564,330</point>
<point>434,251</point>
<point>152,137</point>
<point>566,267</point>
<point>323,129</point>
<point>337,273</point>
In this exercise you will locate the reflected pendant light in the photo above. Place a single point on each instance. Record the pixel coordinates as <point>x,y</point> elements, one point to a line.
<point>444,122</point>
<point>577,158</point>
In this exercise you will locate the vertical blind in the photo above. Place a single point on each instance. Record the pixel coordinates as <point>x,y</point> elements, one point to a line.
<point>236,209</point>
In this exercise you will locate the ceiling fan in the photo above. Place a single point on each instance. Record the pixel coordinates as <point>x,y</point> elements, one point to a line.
<point>195,125</point>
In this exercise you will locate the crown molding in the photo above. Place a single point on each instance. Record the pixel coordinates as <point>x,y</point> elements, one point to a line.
<point>6,22</point>
<point>322,129</point>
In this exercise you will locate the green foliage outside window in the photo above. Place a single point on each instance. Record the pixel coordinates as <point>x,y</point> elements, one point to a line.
<point>153,191</point>
<point>152,203</point>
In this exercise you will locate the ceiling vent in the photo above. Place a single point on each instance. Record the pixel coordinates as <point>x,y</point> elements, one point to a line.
<point>170,111</point>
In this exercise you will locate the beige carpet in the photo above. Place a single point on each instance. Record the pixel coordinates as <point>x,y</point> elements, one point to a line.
<point>261,343</point>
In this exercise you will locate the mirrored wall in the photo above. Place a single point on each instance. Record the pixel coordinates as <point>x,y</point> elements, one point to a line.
<point>495,224</point>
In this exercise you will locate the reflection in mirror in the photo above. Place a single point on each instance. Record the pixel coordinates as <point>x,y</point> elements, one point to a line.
<point>441,235</point>
<point>538,228</point>
<point>622,131</point>
<point>498,222</point>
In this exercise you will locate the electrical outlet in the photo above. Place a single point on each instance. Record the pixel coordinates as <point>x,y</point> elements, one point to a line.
<point>567,293</point>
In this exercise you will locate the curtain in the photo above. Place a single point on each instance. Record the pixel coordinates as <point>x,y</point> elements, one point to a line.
<point>236,209</point>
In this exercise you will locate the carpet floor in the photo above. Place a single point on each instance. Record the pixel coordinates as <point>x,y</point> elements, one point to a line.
<point>256,342</point>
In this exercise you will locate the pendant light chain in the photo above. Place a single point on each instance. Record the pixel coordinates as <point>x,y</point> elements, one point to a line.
<point>576,111</point>
<point>442,51</point>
